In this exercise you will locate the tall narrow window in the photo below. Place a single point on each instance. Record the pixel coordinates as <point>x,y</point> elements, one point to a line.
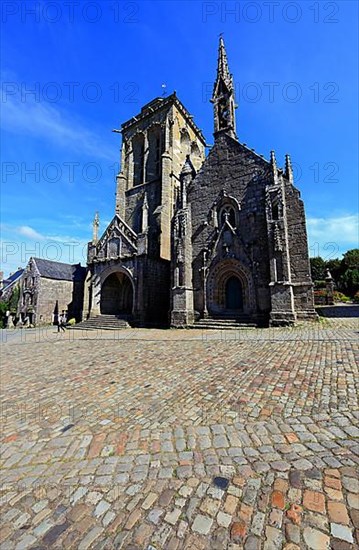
<point>153,162</point>
<point>138,148</point>
<point>275,211</point>
<point>195,152</point>
<point>185,141</point>
<point>157,154</point>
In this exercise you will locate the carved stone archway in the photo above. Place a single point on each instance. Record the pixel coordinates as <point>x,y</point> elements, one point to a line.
<point>116,294</point>
<point>225,278</point>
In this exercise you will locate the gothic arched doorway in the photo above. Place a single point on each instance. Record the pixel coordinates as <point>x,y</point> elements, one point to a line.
<point>229,289</point>
<point>234,294</point>
<point>116,295</point>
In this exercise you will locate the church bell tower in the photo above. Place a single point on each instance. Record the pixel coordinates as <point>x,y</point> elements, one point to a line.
<point>223,96</point>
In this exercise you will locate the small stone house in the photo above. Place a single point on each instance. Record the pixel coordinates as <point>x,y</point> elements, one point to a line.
<point>47,288</point>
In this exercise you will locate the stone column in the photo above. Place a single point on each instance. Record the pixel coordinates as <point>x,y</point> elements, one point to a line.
<point>329,285</point>
<point>146,152</point>
<point>166,200</point>
<point>182,313</point>
<point>95,298</point>
<point>142,239</point>
<point>121,186</point>
<point>281,289</point>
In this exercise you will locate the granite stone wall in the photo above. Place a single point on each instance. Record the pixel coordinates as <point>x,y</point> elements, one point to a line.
<point>50,291</point>
<point>243,175</point>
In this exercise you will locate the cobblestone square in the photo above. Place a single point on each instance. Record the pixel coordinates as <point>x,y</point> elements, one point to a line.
<point>115,439</point>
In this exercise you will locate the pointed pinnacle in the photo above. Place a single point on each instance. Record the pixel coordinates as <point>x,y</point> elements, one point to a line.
<point>288,169</point>
<point>288,163</point>
<point>274,167</point>
<point>187,168</point>
<point>273,159</point>
<point>222,67</point>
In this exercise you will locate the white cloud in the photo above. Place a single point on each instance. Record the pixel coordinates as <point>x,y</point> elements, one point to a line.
<point>30,233</point>
<point>19,243</point>
<point>331,237</point>
<point>46,121</point>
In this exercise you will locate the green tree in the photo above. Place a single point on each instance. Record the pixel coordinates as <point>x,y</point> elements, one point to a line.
<point>3,309</point>
<point>14,299</point>
<point>335,268</point>
<point>351,259</point>
<point>349,279</point>
<point>317,267</point>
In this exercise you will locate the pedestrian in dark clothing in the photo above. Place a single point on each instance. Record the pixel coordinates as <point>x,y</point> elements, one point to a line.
<point>62,322</point>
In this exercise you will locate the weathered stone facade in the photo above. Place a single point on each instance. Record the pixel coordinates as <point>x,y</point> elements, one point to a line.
<point>137,244</point>
<point>47,288</point>
<point>194,237</point>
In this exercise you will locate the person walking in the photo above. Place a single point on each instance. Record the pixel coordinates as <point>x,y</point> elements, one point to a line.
<point>62,322</point>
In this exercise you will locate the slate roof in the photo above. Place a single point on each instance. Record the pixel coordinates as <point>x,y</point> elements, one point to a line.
<point>12,278</point>
<point>59,270</point>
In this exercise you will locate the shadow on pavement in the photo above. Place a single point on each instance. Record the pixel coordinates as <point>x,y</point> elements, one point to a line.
<point>347,310</point>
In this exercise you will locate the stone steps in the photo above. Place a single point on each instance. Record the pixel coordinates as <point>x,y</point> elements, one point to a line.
<point>242,322</point>
<point>104,322</point>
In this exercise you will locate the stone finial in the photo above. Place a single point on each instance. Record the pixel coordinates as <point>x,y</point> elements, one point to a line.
<point>273,162</point>
<point>95,226</point>
<point>288,169</point>
<point>187,168</point>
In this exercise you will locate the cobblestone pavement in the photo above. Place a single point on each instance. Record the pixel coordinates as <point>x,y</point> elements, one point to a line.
<point>115,440</point>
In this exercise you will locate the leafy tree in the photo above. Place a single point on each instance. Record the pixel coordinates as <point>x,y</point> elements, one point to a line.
<point>14,299</point>
<point>349,279</point>
<point>317,267</point>
<point>351,259</point>
<point>335,268</point>
<point>3,309</point>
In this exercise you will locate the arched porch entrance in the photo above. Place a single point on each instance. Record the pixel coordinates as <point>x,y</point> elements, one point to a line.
<point>229,290</point>
<point>233,294</point>
<point>116,295</point>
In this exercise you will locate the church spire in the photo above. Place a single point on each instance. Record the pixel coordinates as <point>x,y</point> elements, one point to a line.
<point>222,67</point>
<point>223,96</point>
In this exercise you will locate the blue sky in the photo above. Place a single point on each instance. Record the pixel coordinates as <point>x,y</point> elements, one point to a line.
<point>72,74</point>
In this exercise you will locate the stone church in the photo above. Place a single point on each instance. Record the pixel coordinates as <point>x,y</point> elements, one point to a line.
<point>199,239</point>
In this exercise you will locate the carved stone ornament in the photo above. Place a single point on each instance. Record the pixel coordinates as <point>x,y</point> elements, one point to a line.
<point>180,258</point>
<point>277,240</point>
<point>183,223</point>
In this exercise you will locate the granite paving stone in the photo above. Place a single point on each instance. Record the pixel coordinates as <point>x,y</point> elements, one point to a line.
<point>273,411</point>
